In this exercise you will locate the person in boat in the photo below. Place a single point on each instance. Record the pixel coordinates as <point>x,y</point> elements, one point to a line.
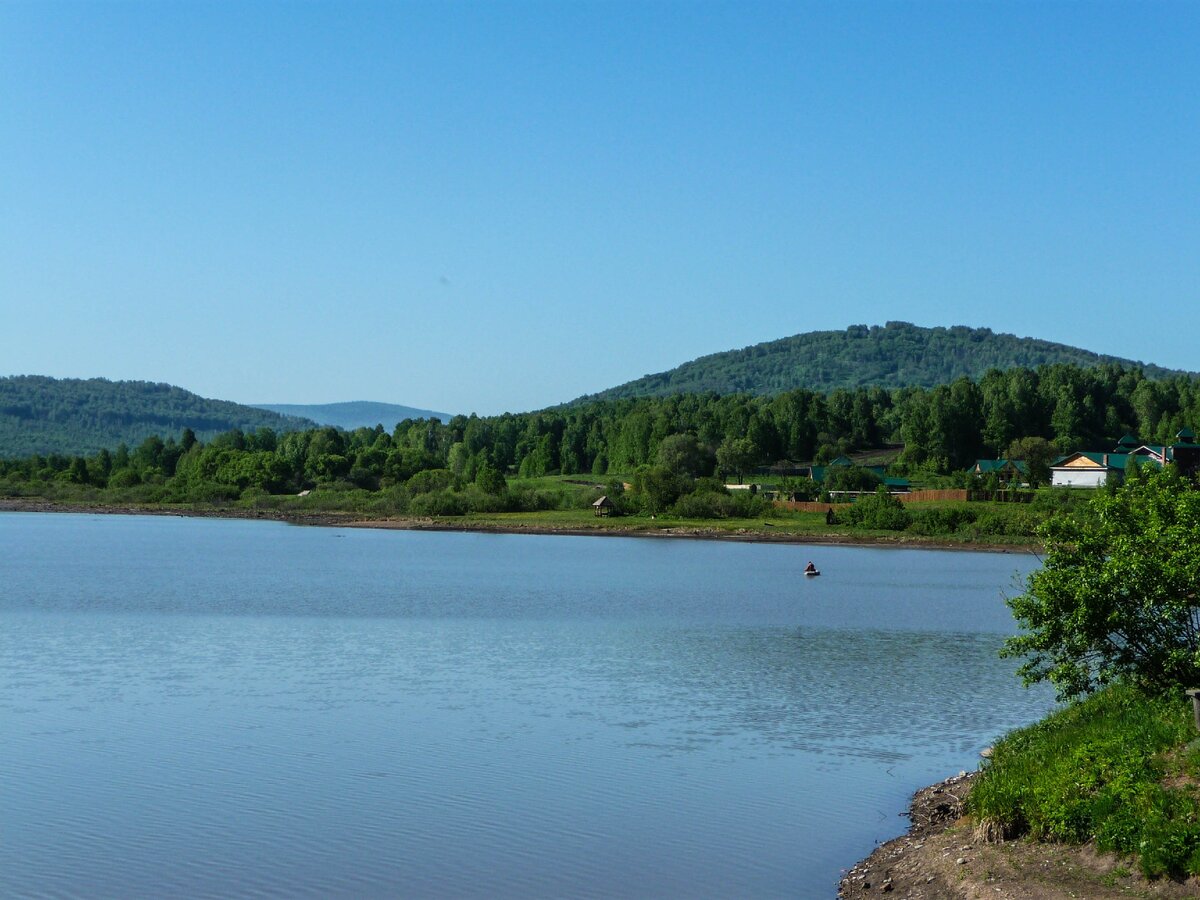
<point>810,567</point>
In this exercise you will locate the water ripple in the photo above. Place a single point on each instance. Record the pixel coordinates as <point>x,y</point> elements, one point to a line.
<point>211,709</point>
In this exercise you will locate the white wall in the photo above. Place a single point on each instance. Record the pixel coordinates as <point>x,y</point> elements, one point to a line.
<point>1085,478</point>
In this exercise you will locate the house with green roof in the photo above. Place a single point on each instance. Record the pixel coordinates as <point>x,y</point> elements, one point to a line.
<point>1093,469</point>
<point>819,474</point>
<point>1007,470</point>
<point>1088,469</point>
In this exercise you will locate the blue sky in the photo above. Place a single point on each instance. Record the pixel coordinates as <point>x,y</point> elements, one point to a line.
<point>501,206</point>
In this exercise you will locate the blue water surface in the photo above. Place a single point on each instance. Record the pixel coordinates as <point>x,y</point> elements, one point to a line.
<point>211,708</point>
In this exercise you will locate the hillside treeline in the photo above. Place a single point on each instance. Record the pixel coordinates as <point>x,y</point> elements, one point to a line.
<point>897,355</point>
<point>39,414</point>
<point>669,446</point>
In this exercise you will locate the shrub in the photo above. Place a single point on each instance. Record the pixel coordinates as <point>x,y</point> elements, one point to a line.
<point>124,478</point>
<point>438,503</point>
<point>940,520</point>
<point>705,505</point>
<point>1094,771</point>
<point>879,511</point>
<point>1016,521</point>
<point>430,480</point>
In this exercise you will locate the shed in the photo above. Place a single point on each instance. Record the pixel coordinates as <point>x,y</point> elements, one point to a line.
<point>604,506</point>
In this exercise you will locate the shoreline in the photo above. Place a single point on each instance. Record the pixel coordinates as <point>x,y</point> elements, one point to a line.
<point>899,866</point>
<point>334,519</point>
<point>941,856</point>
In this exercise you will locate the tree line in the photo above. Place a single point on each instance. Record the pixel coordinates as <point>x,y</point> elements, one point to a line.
<point>667,447</point>
<point>895,355</point>
<point>71,416</point>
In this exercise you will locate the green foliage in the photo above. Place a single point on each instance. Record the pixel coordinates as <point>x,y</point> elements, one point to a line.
<point>897,355</point>
<point>1095,771</point>
<point>430,481</point>
<point>736,455</point>
<point>718,505</point>
<point>442,502</point>
<point>1012,521</point>
<point>880,511</point>
<point>683,454</point>
<point>1037,453</point>
<point>74,416</point>
<point>490,480</point>
<point>353,414</point>
<point>1118,594</point>
<point>655,489</point>
<point>941,520</point>
<point>851,478</point>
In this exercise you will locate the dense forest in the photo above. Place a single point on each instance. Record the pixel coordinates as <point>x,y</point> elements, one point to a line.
<point>896,355</point>
<point>668,448</point>
<point>353,414</point>
<point>73,416</point>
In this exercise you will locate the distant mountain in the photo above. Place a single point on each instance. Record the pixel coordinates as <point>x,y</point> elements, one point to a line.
<point>897,355</point>
<point>76,416</point>
<point>354,414</point>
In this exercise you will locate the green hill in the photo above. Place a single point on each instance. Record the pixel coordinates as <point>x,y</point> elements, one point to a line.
<point>354,414</point>
<point>76,416</point>
<point>897,355</point>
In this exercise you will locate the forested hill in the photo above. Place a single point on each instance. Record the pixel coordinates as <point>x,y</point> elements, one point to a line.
<point>74,416</point>
<point>354,414</point>
<point>897,355</point>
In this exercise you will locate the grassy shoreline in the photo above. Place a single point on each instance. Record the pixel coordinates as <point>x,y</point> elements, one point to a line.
<point>1099,799</point>
<point>787,529</point>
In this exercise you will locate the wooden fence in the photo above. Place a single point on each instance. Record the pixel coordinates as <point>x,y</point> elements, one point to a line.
<point>916,497</point>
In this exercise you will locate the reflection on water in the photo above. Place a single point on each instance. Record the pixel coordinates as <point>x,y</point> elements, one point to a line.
<point>230,708</point>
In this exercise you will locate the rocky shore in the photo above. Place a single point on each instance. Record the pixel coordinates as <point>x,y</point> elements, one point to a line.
<point>941,857</point>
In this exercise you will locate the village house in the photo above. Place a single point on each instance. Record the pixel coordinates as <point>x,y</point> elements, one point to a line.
<point>1093,469</point>
<point>1006,470</point>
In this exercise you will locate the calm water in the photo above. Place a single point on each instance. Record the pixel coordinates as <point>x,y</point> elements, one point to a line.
<point>199,708</point>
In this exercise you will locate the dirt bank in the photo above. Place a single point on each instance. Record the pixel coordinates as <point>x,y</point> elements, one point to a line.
<point>939,858</point>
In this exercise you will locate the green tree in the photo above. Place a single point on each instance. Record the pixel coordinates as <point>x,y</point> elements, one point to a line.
<point>683,455</point>
<point>880,511</point>
<point>735,456</point>
<point>657,488</point>
<point>1037,453</point>
<point>1118,594</point>
<point>78,472</point>
<point>490,480</point>
<point>851,478</point>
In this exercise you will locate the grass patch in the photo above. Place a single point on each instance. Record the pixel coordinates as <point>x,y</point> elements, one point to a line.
<point>1115,768</point>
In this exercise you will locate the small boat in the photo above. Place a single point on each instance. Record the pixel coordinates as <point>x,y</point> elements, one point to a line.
<point>811,573</point>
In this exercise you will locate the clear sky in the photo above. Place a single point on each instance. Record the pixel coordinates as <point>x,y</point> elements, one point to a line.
<point>501,206</point>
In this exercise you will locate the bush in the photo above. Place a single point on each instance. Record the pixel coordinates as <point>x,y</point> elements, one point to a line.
<point>1094,771</point>
<point>706,505</point>
<point>880,511</point>
<point>124,478</point>
<point>430,481</point>
<point>1017,522</point>
<point>709,504</point>
<point>438,503</point>
<point>478,500</point>
<point>940,520</point>
<point>523,498</point>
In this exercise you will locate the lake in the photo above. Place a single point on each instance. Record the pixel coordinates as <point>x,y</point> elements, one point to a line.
<point>221,708</point>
